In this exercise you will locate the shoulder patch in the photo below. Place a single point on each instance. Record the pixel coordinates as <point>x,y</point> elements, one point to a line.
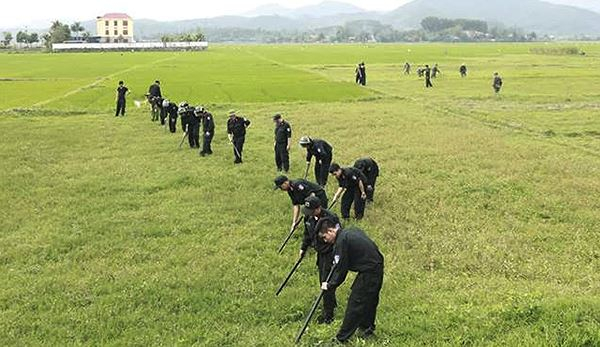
<point>301,187</point>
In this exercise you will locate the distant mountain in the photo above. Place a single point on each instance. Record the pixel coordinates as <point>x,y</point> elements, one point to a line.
<point>323,9</point>
<point>540,16</point>
<point>593,5</point>
<point>269,10</point>
<point>531,15</point>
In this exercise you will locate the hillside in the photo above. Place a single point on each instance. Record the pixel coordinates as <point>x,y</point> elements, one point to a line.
<point>531,15</point>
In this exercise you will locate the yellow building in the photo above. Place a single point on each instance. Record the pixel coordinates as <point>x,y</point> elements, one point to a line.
<point>114,27</point>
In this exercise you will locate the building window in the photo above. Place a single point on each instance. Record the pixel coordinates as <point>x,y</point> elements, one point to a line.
<point>105,23</point>
<point>107,32</point>
<point>116,23</point>
<point>116,32</point>
<point>125,23</point>
<point>125,32</point>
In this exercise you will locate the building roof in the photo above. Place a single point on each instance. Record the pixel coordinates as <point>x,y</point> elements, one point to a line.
<point>116,16</point>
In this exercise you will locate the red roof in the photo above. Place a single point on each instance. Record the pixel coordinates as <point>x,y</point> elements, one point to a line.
<point>116,16</point>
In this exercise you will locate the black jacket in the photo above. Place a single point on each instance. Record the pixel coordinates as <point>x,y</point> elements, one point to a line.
<point>237,126</point>
<point>368,167</point>
<point>350,178</point>
<point>154,90</point>
<point>302,189</point>
<point>354,251</point>
<point>208,123</point>
<point>319,149</point>
<point>283,132</point>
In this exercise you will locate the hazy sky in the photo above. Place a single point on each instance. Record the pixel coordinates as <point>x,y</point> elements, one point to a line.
<point>36,12</point>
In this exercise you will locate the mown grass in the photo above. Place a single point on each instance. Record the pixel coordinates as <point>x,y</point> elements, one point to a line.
<point>487,211</point>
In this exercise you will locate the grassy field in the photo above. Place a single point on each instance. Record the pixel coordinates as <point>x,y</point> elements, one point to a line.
<point>487,210</point>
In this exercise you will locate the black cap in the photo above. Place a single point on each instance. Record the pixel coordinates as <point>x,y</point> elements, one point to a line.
<point>310,205</point>
<point>121,82</point>
<point>277,116</point>
<point>334,167</point>
<point>279,180</point>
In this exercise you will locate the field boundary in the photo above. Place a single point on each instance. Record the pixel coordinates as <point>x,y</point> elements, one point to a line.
<point>97,82</point>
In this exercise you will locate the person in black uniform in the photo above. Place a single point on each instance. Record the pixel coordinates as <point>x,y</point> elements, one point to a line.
<point>194,128</point>
<point>370,169</point>
<point>154,95</point>
<point>354,251</point>
<point>236,131</point>
<point>497,83</point>
<point>313,212</point>
<point>184,116</point>
<point>353,187</point>
<point>428,83</point>
<point>171,109</point>
<point>323,153</point>
<point>299,190</point>
<point>435,71</point>
<point>283,136</point>
<point>463,71</point>
<point>154,90</point>
<point>407,68</point>
<point>363,73</point>
<point>162,111</point>
<point>357,73</point>
<point>208,132</point>
<point>122,93</point>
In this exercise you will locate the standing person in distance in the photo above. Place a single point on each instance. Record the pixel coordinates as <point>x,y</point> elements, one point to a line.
<point>236,131</point>
<point>354,251</point>
<point>463,71</point>
<point>407,68</point>
<point>208,131</point>
<point>370,169</point>
<point>428,83</point>
<point>154,90</point>
<point>358,74</point>
<point>435,71</point>
<point>194,130</point>
<point>283,138</point>
<point>122,93</point>
<point>353,186</point>
<point>323,153</point>
<point>154,98</point>
<point>363,73</point>
<point>497,85</point>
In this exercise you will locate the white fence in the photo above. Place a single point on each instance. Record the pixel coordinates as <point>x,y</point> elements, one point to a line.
<point>129,46</point>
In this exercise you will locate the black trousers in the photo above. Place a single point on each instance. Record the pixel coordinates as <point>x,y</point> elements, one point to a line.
<point>163,115</point>
<point>282,157</point>
<point>428,83</point>
<point>173,124</point>
<point>155,113</point>
<point>350,196</point>
<point>238,148</point>
<point>206,141</point>
<point>194,136</point>
<point>361,310</point>
<point>370,188</point>
<point>120,107</point>
<point>322,170</point>
<point>324,264</point>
